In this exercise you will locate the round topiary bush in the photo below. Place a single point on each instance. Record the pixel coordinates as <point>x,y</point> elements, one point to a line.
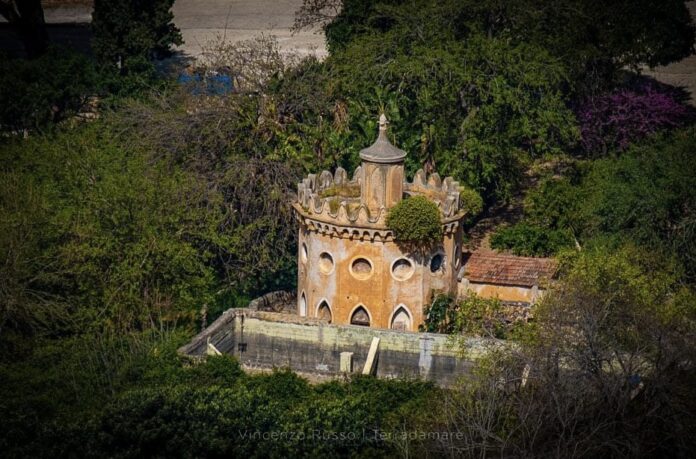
<point>415,220</point>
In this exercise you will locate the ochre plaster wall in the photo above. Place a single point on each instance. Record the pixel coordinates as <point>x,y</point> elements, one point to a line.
<point>380,293</point>
<point>502,292</point>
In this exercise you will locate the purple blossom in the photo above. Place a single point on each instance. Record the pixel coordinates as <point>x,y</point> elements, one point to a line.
<point>619,118</point>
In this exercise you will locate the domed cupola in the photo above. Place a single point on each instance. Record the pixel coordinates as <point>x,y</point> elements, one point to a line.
<point>383,172</point>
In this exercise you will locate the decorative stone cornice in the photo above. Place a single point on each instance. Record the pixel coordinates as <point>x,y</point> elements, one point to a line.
<point>347,211</point>
<point>362,233</point>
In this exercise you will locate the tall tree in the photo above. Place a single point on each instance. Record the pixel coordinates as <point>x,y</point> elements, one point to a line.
<point>130,32</point>
<point>27,18</point>
<point>593,38</point>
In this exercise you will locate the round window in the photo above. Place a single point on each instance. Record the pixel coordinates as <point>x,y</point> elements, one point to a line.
<point>402,269</point>
<point>326,263</point>
<point>361,268</point>
<point>437,263</point>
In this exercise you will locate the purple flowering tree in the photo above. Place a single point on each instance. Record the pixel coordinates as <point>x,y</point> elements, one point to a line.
<point>616,119</point>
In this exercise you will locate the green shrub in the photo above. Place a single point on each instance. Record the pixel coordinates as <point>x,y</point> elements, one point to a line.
<point>554,203</point>
<point>532,241</point>
<point>130,33</point>
<point>468,316</point>
<point>38,92</point>
<point>415,220</point>
<point>149,34</point>
<point>471,201</point>
<point>131,396</point>
<point>645,195</point>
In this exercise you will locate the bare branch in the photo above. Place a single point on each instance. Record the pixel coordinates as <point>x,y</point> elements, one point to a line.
<point>316,14</point>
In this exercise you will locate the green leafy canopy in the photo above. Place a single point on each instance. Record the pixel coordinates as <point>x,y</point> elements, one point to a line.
<point>415,220</point>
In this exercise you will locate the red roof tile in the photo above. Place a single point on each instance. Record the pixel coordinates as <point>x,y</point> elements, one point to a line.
<point>493,268</point>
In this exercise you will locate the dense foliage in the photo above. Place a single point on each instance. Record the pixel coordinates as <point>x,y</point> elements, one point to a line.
<point>531,241</point>
<point>644,195</point>
<point>416,221</point>
<point>129,33</point>
<point>99,233</point>
<point>120,236</point>
<point>618,118</point>
<point>594,40</point>
<point>131,396</point>
<point>34,93</point>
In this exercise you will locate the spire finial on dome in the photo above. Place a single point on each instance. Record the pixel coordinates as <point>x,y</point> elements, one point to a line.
<point>383,122</point>
<point>382,151</point>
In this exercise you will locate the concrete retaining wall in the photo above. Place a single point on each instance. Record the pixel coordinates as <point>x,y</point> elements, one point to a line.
<point>264,340</point>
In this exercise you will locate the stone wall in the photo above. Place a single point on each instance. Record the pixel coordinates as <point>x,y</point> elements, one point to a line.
<point>265,340</point>
<point>502,292</point>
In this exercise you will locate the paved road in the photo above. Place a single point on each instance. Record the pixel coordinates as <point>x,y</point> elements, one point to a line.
<point>202,20</point>
<point>682,73</point>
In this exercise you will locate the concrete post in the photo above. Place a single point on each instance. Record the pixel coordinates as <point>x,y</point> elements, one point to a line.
<point>369,367</point>
<point>346,363</point>
<point>425,359</point>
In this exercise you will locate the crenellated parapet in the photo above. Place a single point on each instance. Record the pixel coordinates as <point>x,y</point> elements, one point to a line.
<point>336,199</point>
<point>333,203</point>
<point>351,269</point>
<point>444,193</point>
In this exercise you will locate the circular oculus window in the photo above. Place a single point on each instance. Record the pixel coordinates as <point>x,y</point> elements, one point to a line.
<point>437,263</point>
<point>402,269</point>
<point>361,268</point>
<point>326,263</point>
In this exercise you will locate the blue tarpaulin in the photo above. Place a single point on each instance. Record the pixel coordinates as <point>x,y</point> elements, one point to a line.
<point>211,85</point>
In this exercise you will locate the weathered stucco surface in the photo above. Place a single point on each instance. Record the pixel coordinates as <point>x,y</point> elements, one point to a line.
<point>502,292</point>
<point>380,292</point>
<point>348,260</point>
<point>264,340</point>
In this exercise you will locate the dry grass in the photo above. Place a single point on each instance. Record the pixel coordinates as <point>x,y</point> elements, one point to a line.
<point>343,191</point>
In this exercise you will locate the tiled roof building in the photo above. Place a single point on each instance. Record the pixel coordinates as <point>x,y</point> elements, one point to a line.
<point>501,269</point>
<point>507,277</point>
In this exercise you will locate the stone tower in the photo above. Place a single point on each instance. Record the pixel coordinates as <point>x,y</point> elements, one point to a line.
<point>383,172</point>
<point>350,268</point>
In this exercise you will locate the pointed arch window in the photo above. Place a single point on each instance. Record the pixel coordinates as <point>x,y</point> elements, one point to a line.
<point>401,320</point>
<point>360,317</point>
<point>324,311</point>
<point>303,305</point>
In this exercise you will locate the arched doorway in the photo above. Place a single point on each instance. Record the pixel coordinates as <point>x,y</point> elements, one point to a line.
<point>324,311</point>
<point>401,319</point>
<point>303,305</point>
<point>360,317</point>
